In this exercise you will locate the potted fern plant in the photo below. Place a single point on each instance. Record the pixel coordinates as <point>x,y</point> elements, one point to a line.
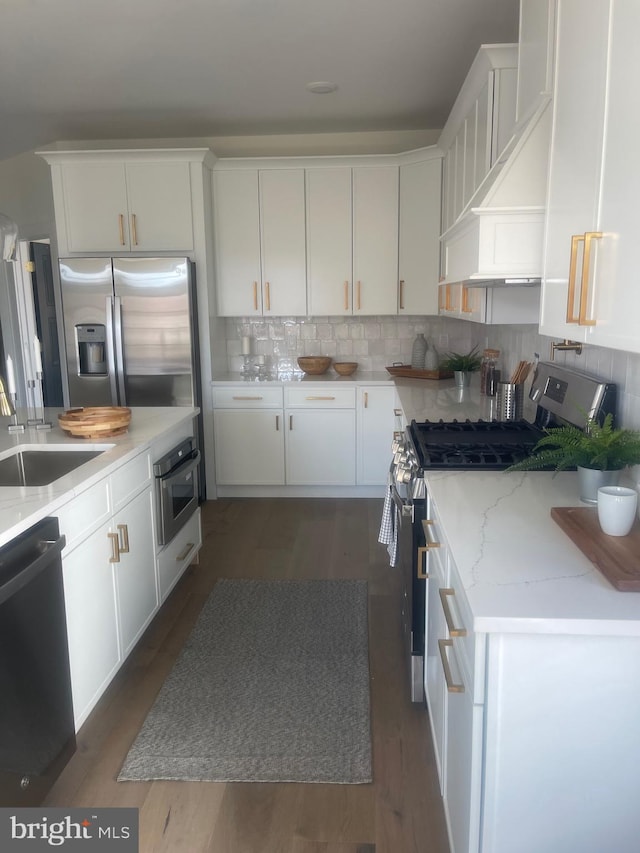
<point>599,453</point>
<point>462,365</point>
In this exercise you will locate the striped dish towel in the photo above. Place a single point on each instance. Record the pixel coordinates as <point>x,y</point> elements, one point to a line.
<point>389,527</point>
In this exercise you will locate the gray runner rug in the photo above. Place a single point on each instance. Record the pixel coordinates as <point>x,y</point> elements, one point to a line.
<point>271,686</point>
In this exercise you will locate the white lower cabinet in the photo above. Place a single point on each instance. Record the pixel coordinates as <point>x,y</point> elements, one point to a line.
<point>175,557</point>
<point>235,431</point>
<point>376,422</point>
<point>135,568</point>
<point>92,624</point>
<point>321,447</point>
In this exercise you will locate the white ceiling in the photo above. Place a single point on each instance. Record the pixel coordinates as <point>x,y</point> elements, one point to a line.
<point>82,69</point>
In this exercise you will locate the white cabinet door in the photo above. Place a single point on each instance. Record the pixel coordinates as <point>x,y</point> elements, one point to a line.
<point>135,570</point>
<point>575,158</point>
<point>321,447</point>
<point>329,255</point>
<point>282,228</point>
<point>235,430</point>
<point>92,624</point>
<point>160,216</point>
<point>95,207</point>
<point>237,243</point>
<point>435,687</point>
<point>535,55</point>
<point>375,239</point>
<point>376,423</point>
<point>419,229</point>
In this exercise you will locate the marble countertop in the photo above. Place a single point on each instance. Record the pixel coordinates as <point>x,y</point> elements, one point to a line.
<point>22,506</point>
<point>519,570</point>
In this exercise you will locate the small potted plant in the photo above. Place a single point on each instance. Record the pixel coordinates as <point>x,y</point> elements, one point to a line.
<point>462,365</point>
<point>599,453</point>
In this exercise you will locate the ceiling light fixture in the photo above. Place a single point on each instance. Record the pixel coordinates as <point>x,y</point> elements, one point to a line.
<point>322,88</point>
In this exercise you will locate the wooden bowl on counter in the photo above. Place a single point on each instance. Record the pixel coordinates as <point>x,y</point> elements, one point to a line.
<point>345,368</point>
<point>314,365</point>
<point>96,421</point>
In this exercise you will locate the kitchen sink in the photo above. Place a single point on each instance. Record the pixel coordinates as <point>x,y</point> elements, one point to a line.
<point>29,467</point>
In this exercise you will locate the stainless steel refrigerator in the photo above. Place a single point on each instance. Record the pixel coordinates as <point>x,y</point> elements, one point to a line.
<point>131,332</point>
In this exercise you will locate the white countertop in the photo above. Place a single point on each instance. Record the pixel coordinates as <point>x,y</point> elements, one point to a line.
<point>20,506</point>
<point>520,571</point>
<point>360,377</point>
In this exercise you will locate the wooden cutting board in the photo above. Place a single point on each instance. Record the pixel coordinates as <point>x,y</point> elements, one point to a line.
<point>407,372</point>
<point>616,557</point>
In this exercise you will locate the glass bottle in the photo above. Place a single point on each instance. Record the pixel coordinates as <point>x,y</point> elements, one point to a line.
<point>490,372</point>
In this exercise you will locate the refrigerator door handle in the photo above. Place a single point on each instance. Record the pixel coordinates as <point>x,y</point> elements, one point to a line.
<point>117,330</point>
<point>111,360</point>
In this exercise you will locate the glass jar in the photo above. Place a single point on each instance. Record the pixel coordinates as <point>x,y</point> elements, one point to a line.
<point>490,372</point>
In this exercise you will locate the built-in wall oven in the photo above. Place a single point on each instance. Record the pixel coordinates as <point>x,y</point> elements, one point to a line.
<point>176,480</point>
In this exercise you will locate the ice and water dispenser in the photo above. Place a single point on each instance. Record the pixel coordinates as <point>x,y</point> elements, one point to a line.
<point>92,353</point>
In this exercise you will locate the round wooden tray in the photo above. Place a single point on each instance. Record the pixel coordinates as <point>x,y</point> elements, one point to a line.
<point>96,421</point>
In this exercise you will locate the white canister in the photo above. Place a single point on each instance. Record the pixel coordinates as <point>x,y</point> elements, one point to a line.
<point>617,507</point>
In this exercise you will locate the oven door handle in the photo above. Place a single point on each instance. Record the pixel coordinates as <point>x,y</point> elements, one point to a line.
<point>188,465</point>
<point>405,509</point>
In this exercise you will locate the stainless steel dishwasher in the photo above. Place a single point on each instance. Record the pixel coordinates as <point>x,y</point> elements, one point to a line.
<point>37,733</point>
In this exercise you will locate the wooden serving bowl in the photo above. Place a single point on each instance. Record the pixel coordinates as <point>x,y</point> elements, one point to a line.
<point>314,364</point>
<point>345,368</point>
<point>96,421</point>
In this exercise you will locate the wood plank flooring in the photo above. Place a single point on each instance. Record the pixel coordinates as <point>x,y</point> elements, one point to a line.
<point>400,812</point>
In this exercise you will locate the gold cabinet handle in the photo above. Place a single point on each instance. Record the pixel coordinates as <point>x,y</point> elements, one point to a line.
<point>277,423</point>
<point>319,398</point>
<point>366,399</point>
<point>573,264</point>
<point>290,422</point>
<point>448,616</point>
<point>589,237</point>
<point>185,551</point>
<point>115,550</point>
<point>267,295</point>
<point>255,295</point>
<point>452,687</point>
<point>427,528</point>
<point>421,568</point>
<point>247,398</point>
<point>358,290</point>
<point>465,300</point>
<point>402,294</point>
<point>346,296</point>
<point>134,229</point>
<point>447,297</point>
<point>123,546</point>
<point>441,292</point>
<point>121,228</point>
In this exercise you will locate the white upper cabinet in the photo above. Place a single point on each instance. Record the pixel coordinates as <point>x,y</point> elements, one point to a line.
<point>590,270</point>
<point>282,232</point>
<point>237,235</point>
<point>259,220</point>
<point>109,203</point>
<point>535,55</point>
<point>419,247</point>
<point>329,252</point>
<point>375,239</point>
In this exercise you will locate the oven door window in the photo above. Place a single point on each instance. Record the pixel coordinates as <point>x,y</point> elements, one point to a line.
<point>181,493</point>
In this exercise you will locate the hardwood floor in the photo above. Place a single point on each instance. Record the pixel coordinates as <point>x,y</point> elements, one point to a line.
<point>400,812</point>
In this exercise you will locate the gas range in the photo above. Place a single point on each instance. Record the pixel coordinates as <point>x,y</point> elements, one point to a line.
<point>479,445</point>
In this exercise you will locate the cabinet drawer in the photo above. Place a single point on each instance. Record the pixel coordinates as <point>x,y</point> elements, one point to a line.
<point>129,479</point>
<point>247,397</point>
<point>84,513</point>
<point>178,554</point>
<point>321,397</point>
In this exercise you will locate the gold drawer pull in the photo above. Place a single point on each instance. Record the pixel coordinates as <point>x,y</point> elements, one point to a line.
<point>247,398</point>
<point>183,554</point>
<point>428,529</point>
<point>115,550</point>
<point>421,568</point>
<point>452,687</point>
<point>124,530</point>
<point>584,286</point>
<point>448,616</point>
<point>319,398</point>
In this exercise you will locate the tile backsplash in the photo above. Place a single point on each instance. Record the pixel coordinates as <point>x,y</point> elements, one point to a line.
<point>375,342</point>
